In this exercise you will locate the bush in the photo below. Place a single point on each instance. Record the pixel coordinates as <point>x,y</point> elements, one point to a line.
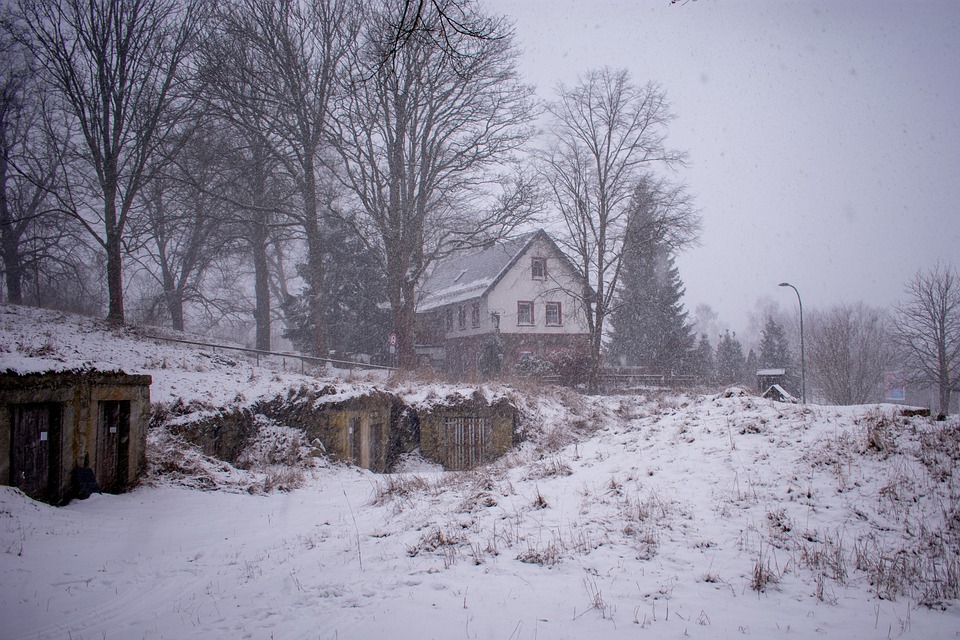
<point>571,365</point>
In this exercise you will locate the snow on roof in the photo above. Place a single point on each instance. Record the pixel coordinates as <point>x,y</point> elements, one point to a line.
<point>468,276</point>
<point>771,372</point>
<point>777,392</point>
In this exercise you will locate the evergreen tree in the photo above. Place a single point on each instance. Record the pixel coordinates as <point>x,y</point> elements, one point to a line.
<point>354,285</point>
<point>702,362</point>
<point>750,368</point>
<point>774,352</point>
<point>730,363</point>
<point>650,326</point>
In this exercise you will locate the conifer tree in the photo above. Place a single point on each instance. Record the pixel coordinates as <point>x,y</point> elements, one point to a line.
<point>354,286</point>
<point>650,326</point>
<point>774,352</point>
<point>750,368</point>
<point>702,362</point>
<point>730,362</point>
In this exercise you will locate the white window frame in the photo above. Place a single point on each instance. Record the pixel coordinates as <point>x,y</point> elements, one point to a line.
<point>529,305</point>
<point>546,314</point>
<point>538,264</point>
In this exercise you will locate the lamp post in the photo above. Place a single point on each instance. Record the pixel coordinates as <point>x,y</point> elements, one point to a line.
<point>803,366</point>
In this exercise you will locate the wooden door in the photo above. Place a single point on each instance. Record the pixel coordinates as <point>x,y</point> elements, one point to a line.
<point>113,445</point>
<point>377,457</point>
<point>35,450</point>
<point>465,441</point>
<point>354,439</point>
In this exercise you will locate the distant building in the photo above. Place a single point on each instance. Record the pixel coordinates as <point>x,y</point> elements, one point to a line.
<point>766,378</point>
<point>482,312</point>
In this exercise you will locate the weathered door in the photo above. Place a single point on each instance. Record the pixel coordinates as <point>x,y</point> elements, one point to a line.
<point>465,441</point>
<point>113,445</point>
<point>35,450</point>
<point>355,440</point>
<point>377,458</point>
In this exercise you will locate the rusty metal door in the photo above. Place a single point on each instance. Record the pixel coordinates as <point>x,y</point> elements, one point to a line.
<point>113,445</point>
<point>35,450</point>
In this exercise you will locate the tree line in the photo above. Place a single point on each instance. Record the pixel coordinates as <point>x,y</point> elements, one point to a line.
<point>200,157</point>
<point>305,162</point>
<point>855,353</point>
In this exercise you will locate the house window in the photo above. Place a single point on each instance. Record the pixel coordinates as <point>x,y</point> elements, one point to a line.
<point>538,268</point>
<point>553,314</point>
<point>475,315</point>
<point>462,318</point>
<point>448,319</point>
<point>525,313</point>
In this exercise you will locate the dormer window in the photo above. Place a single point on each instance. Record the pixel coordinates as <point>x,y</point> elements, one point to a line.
<point>538,268</point>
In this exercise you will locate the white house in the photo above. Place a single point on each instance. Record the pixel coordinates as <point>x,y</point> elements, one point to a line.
<point>483,311</point>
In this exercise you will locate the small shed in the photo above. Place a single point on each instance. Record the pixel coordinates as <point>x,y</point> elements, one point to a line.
<point>464,434</point>
<point>769,377</point>
<point>54,424</point>
<point>778,393</point>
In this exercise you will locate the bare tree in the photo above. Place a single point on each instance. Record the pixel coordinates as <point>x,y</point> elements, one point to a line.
<point>258,195</point>
<point>116,64</point>
<point>40,247</point>
<point>421,142</point>
<point>849,352</point>
<point>927,330</point>
<point>445,25</point>
<point>181,228</point>
<point>606,133</point>
<point>273,68</point>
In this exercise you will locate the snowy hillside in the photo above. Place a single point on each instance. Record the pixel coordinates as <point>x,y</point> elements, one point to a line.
<point>718,515</point>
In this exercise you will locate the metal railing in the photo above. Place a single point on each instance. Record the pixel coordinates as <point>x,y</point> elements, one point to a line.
<point>284,355</point>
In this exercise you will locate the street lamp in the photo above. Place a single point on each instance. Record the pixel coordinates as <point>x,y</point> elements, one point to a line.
<point>803,366</point>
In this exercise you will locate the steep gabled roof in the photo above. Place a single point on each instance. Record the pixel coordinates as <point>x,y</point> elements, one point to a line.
<point>469,276</point>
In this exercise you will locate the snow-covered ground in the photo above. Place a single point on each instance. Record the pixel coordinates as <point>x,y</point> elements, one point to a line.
<point>716,515</point>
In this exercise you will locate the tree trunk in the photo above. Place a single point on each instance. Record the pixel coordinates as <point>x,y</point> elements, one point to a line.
<point>261,276</point>
<point>944,370</point>
<point>404,325</point>
<point>12,263</point>
<point>114,255</point>
<point>314,275</point>
<point>9,237</point>
<point>173,297</point>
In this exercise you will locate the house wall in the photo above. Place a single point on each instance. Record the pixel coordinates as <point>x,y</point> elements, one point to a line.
<point>518,284</point>
<point>463,346</point>
<point>79,396</point>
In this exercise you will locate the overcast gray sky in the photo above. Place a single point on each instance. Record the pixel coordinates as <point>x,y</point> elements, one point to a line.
<point>824,136</point>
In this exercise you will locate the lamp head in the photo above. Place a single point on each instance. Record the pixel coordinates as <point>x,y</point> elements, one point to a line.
<point>784,284</point>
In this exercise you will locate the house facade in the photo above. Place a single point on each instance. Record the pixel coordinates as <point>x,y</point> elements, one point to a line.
<point>482,312</point>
